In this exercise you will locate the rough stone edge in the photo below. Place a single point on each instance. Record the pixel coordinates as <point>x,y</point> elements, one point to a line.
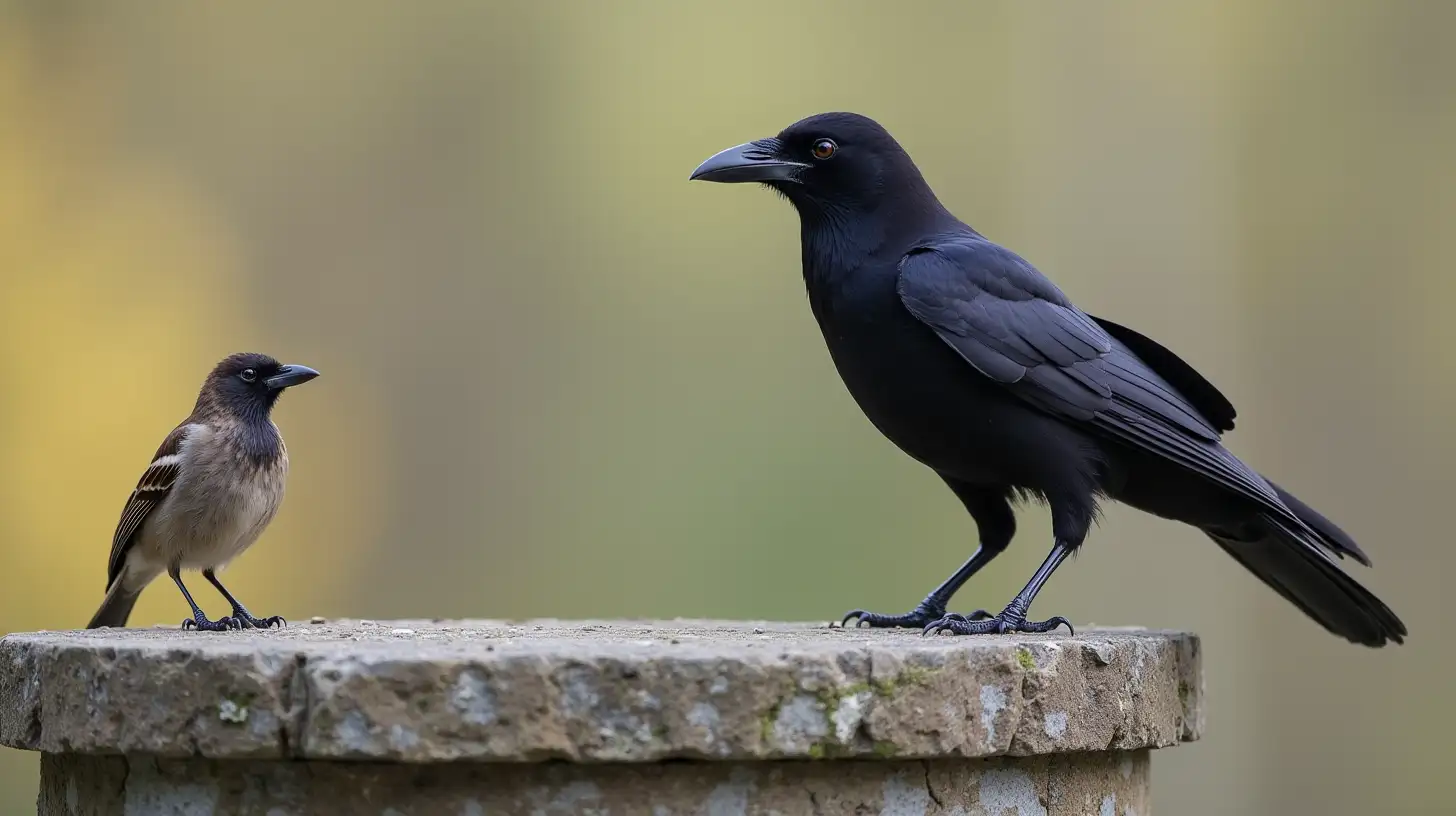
<point>882,677</point>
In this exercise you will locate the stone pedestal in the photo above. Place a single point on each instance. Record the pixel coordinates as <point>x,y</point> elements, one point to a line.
<point>550,717</point>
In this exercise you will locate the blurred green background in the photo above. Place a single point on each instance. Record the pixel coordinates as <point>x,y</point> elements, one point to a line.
<point>561,380</point>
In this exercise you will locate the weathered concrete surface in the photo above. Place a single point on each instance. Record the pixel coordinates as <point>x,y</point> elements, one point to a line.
<point>1106,784</point>
<point>425,692</point>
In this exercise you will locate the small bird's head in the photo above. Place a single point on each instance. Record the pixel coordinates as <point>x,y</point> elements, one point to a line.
<point>841,161</point>
<point>248,384</point>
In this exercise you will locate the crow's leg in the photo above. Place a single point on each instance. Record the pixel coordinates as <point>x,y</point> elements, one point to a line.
<point>1072,514</point>
<point>1013,617</point>
<point>996,524</point>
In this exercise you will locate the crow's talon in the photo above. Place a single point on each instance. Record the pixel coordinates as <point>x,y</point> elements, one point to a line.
<point>979,614</point>
<point>919,617</point>
<point>1001,624</point>
<point>875,620</point>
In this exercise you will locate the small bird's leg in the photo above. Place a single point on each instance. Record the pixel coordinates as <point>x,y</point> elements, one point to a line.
<point>199,619</point>
<point>931,609</point>
<point>244,617</point>
<point>1013,617</point>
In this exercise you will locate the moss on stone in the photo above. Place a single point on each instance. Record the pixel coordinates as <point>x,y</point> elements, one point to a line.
<point>766,722</point>
<point>1023,656</point>
<point>908,676</point>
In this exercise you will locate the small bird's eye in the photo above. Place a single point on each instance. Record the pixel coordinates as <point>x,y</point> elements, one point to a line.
<point>248,375</point>
<point>824,148</point>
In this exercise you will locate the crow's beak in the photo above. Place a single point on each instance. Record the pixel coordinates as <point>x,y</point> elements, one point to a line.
<point>290,375</point>
<point>754,161</point>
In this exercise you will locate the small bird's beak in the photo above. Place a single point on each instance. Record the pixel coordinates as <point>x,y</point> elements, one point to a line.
<point>754,161</point>
<point>290,375</point>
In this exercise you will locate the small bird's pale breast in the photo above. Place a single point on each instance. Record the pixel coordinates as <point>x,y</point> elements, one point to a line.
<point>221,503</point>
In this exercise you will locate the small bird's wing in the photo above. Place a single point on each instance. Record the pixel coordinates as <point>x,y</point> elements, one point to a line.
<point>1013,325</point>
<point>1209,401</point>
<point>156,482</point>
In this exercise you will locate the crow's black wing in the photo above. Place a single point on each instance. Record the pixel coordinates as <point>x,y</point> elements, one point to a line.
<point>1013,325</point>
<point>1209,401</point>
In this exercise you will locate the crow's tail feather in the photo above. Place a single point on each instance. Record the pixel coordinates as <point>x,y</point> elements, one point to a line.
<point>1293,561</point>
<point>1333,537</point>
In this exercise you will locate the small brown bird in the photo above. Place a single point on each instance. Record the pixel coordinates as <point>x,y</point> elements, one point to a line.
<point>213,485</point>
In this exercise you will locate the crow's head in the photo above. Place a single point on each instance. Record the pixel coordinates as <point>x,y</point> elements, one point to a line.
<point>832,161</point>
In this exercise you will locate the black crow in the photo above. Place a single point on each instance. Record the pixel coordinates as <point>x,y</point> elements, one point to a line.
<point>976,365</point>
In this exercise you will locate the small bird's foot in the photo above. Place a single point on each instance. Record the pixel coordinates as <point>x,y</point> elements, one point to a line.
<point>202,624</point>
<point>1010,620</point>
<point>923,615</point>
<point>246,620</point>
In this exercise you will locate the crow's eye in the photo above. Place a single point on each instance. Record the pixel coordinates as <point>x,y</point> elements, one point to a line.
<point>824,148</point>
<point>248,375</point>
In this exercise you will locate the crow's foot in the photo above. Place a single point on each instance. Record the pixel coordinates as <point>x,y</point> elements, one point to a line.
<point>1007,622</point>
<point>923,615</point>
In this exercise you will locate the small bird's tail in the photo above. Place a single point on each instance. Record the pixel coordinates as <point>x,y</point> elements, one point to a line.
<point>116,608</point>
<point>1293,561</point>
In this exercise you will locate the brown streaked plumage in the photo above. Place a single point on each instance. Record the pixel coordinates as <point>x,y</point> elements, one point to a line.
<point>211,489</point>
<point>154,486</point>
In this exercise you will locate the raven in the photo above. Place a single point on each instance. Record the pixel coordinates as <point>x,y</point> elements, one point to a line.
<point>976,365</point>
